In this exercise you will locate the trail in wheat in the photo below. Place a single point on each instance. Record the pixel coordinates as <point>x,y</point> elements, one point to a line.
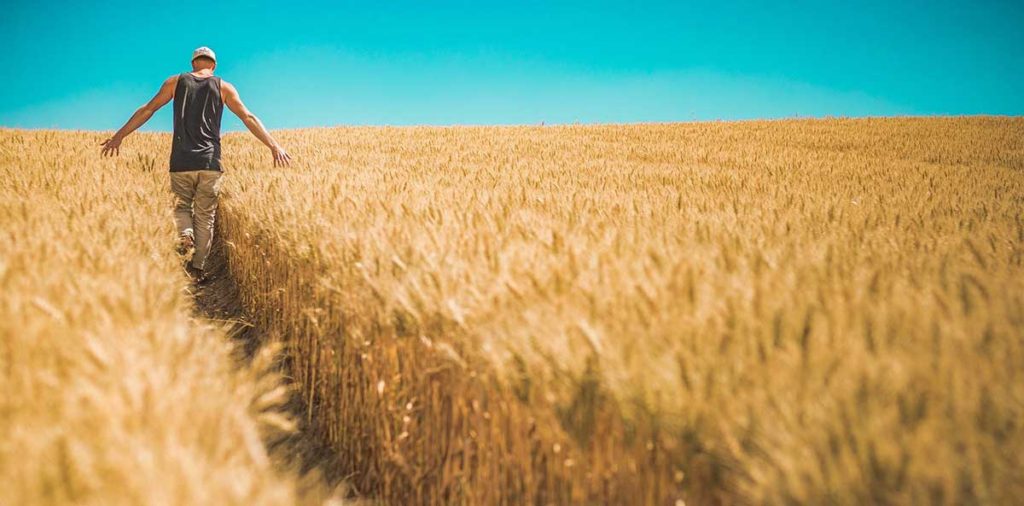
<point>299,452</point>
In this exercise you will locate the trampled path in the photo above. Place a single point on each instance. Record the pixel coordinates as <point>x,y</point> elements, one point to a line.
<point>301,453</point>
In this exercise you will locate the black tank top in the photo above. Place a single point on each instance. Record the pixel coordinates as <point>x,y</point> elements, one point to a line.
<point>197,111</point>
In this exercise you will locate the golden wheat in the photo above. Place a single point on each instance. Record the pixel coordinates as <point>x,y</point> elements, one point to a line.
<point>785,311</point>
<point>110,393</point>
<point>761,311</point>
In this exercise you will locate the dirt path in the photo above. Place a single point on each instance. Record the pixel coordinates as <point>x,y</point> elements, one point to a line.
<point>301,453</point>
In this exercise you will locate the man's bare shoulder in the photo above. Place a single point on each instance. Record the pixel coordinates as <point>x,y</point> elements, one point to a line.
<point>169,84</point>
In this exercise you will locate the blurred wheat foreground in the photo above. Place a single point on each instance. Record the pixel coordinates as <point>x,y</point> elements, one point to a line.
<point>787,311</point>
<point>110,391</point>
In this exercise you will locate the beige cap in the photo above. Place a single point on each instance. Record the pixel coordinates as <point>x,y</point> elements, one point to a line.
<point>204,51</point>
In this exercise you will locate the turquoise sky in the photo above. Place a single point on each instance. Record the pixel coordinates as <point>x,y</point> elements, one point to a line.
<point>74,65</point>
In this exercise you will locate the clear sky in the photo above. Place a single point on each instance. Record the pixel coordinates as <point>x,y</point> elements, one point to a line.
<point>74,65</point>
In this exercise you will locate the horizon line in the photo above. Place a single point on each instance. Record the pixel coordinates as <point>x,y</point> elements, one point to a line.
<point>573,124</point>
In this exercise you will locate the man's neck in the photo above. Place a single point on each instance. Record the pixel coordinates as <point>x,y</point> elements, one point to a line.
<point>202,72</point>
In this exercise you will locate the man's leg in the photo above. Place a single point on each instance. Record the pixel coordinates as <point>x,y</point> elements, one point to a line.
<point>183,185</point>
<point>205,207</point>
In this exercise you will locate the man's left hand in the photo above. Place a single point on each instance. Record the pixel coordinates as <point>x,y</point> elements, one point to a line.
<point>111,146</point>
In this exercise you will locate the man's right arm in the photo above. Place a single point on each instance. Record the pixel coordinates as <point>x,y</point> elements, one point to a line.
<point>234,102</point>
<point>112,146</point>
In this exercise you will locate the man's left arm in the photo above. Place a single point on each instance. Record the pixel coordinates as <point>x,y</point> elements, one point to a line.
<point>112,146</point>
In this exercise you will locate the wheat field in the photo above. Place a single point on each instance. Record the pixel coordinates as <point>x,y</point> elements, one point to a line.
<point>728,312</point>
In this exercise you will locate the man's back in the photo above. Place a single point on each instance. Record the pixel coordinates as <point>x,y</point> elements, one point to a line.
<point>198,107</point>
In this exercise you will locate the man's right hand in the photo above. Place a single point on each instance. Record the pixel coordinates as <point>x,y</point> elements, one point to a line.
<point>281,157</point>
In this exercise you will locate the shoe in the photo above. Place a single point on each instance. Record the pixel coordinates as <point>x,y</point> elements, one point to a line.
<point>185,243</point>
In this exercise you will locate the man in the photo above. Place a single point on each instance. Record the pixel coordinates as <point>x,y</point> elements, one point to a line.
<point>199,100</point>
